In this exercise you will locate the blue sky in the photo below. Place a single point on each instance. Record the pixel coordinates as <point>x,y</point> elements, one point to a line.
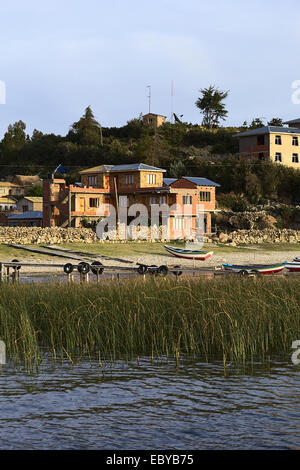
<point>58,57</point>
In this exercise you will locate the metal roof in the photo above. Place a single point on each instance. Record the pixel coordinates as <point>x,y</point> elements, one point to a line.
<point>200,181</point>
<point>27,215</point>
<point>169,181</point>
<point>135,166</point>
<point>97,169</point>
<point>292,120</point>
<point>268,129</point>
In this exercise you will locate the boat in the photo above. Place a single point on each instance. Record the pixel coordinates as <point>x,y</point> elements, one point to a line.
<point>293,266</point>
<point>188,254</point>
<point>255,268</point>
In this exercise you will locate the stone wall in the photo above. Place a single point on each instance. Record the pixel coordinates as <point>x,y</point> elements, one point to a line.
<point>250,237</point>
<point>29,235</point>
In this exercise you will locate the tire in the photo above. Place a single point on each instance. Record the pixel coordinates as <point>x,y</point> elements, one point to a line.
<point>16,267</point>
<point>98,270</point>
<point>68,268</point>
<point>243,272</point>
<point>142,269</point>
<point>256,273</point>
<point>83,267</point>
<point>152,269</point>
<point>177,273</point>
<point>163,270</point>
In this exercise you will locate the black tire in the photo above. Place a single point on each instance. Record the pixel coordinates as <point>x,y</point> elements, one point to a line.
<point>176,273</point>
<point>97,270</point>
<point>163,270</point>
<point>256,273</point>
<point>142,269</point>
<point>83,267</point>
<point>16,267</point>
<point>152,269</point>
<point>68,268</point>
<point>243,272</point>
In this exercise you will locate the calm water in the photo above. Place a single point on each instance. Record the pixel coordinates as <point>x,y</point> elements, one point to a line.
<point>151,406</point>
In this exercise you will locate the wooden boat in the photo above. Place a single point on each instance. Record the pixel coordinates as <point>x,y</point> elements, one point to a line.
<point>255,269</point>
<point>293,266</point>
<point>188,254</point>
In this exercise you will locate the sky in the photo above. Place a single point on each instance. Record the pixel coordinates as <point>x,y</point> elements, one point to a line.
<point>58,57</point>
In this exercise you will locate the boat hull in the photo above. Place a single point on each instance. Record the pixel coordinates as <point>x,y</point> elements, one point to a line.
<point>188,254</point>
<point>259,269</point>
<point>293,266</point>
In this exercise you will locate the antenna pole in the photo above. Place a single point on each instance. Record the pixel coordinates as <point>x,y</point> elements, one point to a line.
<point>149,97</point>
<point>172,99</point>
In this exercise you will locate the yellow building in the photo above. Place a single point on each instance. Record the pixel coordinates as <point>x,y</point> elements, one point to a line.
<point>278,144</point>
<point>30,203</point>
<point>10,189</point>
<point>154,120</point>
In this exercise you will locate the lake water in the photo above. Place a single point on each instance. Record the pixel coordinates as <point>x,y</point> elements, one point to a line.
<point>151,405</point>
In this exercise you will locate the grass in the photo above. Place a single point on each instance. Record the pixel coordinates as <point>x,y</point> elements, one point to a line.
<point>233,319</point>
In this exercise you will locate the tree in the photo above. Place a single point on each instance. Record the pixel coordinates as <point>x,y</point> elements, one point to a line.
<point>275,122</point>
<point>256,123</point>
<point>87,130</point>
<point>210,104</point>
<point>15,137</point>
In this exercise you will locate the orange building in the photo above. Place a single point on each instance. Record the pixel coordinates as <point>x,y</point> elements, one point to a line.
<point>122,186</point>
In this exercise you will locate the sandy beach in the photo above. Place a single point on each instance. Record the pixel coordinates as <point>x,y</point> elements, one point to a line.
<point>254,256</point>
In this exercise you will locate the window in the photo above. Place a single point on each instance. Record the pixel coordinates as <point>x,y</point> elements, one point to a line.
<point>179,223</point>
<point>260,140</point>
<point>92,180</point>
<point>129,179</point>
<point>163,200</point>
<point>151,179</point>
<point>205,196</point>
<point>261,155</point>
<point>94,202</point>
<point>278,139</point>
<point>187,200</point>
<point>123,201</point>
<point>295,140</point>
<point>152,200</point>
<point>295,158</point>
<point>278,157</point>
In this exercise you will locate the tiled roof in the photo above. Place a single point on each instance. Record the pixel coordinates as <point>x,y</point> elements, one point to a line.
<point>27,215</point>
<point>34,198</point>
<point>7,184</point>
<point>7,200</point>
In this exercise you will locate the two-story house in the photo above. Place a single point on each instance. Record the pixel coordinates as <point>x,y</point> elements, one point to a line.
<point>278,144</point>
<point>122,186</point>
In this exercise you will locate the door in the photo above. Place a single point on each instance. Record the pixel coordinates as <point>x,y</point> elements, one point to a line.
<point>82,204</point>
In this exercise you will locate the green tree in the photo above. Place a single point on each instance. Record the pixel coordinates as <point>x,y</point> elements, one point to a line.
<point>35,191</point>
<point>86,131</point>
<point>15,138</point>
<point>256,123</point>
<point>211,106</point>
<point>275,122</point>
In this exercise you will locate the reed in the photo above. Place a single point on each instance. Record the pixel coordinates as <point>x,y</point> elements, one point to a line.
<point>234,319</point>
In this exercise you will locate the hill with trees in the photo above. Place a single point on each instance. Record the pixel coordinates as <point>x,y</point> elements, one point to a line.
<point>183,149</point>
